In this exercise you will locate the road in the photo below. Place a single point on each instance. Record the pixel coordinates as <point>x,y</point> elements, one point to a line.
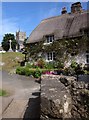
<point>22,90</point>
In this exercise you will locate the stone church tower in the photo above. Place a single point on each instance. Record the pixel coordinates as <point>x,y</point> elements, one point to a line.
<point>20,37</point>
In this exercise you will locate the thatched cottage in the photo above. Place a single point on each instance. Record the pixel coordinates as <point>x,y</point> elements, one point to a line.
<point>66,26</point>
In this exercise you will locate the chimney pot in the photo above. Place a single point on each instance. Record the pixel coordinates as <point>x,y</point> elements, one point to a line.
<point>64,11</point>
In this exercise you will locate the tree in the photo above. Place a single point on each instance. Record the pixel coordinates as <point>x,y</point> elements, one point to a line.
<point>6,43</point>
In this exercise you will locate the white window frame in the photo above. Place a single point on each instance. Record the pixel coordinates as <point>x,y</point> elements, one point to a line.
<point>50,56</point>
<point>49,39</point>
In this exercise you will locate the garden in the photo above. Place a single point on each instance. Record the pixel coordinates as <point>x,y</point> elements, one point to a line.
<point>62,48</point>
<point>36,69</point>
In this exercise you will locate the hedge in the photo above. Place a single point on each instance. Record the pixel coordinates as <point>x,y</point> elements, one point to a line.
<point>27,71</point>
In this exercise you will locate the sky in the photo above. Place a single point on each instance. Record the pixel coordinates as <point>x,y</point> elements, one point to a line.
<point>25,16</point>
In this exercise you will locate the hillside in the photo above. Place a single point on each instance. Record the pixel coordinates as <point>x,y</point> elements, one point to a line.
<point>10,60</point>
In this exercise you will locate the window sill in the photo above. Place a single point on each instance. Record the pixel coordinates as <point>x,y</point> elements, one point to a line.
<point>47,43</point>
<point>49,60</point>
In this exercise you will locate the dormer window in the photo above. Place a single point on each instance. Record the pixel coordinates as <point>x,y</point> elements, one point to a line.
<point>49,38</point>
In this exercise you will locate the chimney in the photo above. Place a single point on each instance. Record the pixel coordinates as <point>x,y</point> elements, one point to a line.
<point>64,11</point>
<point>76,8</point>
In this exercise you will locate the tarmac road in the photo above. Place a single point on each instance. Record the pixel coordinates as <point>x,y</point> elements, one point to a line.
<point>19,86</point>
<point>21,89</point>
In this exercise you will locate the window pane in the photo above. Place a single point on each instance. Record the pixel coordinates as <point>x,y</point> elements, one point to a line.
<point>49,56</point>
<point>54,57</point>
<point>50,38</point>
<point>47,39</point>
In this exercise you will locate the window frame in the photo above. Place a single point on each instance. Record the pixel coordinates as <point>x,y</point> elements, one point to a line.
<point>50,56</point>
<point>49,38</point>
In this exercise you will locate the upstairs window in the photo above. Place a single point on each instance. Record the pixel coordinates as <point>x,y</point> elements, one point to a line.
<point>49,39</point>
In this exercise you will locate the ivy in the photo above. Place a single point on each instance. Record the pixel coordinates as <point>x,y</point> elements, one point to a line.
<point>62,48</point>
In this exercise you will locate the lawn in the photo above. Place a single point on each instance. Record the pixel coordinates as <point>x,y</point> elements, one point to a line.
<point>10,60</point>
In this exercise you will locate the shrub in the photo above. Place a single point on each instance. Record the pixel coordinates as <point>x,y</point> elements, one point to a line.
<point>74,64</point>
<point>26,71</point>
<point>49,65</point>
<point>37,73</point>
<point>20,71</point>
<point>69,71</point>
<point>79,70</point>
<point>60,65</point>
<point>29,65</point>
<point>66,71</point>
<point>41,63</point>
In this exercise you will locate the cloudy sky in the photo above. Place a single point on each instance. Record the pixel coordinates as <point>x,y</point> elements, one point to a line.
<point>27,15</point>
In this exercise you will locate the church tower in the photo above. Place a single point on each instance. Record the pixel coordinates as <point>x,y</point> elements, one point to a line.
<point>20,37</point>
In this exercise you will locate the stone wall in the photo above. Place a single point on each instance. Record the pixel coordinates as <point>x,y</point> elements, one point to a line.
<point>63,97</point>
<point>80,100</point>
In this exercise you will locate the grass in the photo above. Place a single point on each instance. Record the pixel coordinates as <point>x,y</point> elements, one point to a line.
<point>3,93</point>
<point>11,60</point>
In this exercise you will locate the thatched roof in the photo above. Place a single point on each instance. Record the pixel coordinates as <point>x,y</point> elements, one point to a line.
<point>65,25</point>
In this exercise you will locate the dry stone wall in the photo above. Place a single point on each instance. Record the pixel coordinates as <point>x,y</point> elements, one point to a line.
<point>63,97</point>
<point>55,99</point>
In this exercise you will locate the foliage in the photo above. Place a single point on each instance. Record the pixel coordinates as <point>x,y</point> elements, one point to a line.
<point>74,69</point>
<point>62,48</point>
<point>41,63</point>
<point>35,72</point>
<point>86,72</point>
<point>21,70</point>
<point>54,65</point>
<point>6,43</point>
<point>79,70</point>
<point>49,65</point>
<point>35,49</point>
<point>29,65</point>
<point>60,65</point>
<point>74,64</point>
<point>69,71</point>
<point>26,71</point>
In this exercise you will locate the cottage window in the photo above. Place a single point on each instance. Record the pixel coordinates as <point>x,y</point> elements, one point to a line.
<point>50,56</point>
<point>50,38</point>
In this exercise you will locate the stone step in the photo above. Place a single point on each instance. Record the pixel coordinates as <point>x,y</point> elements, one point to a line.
<point>15,109</point>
